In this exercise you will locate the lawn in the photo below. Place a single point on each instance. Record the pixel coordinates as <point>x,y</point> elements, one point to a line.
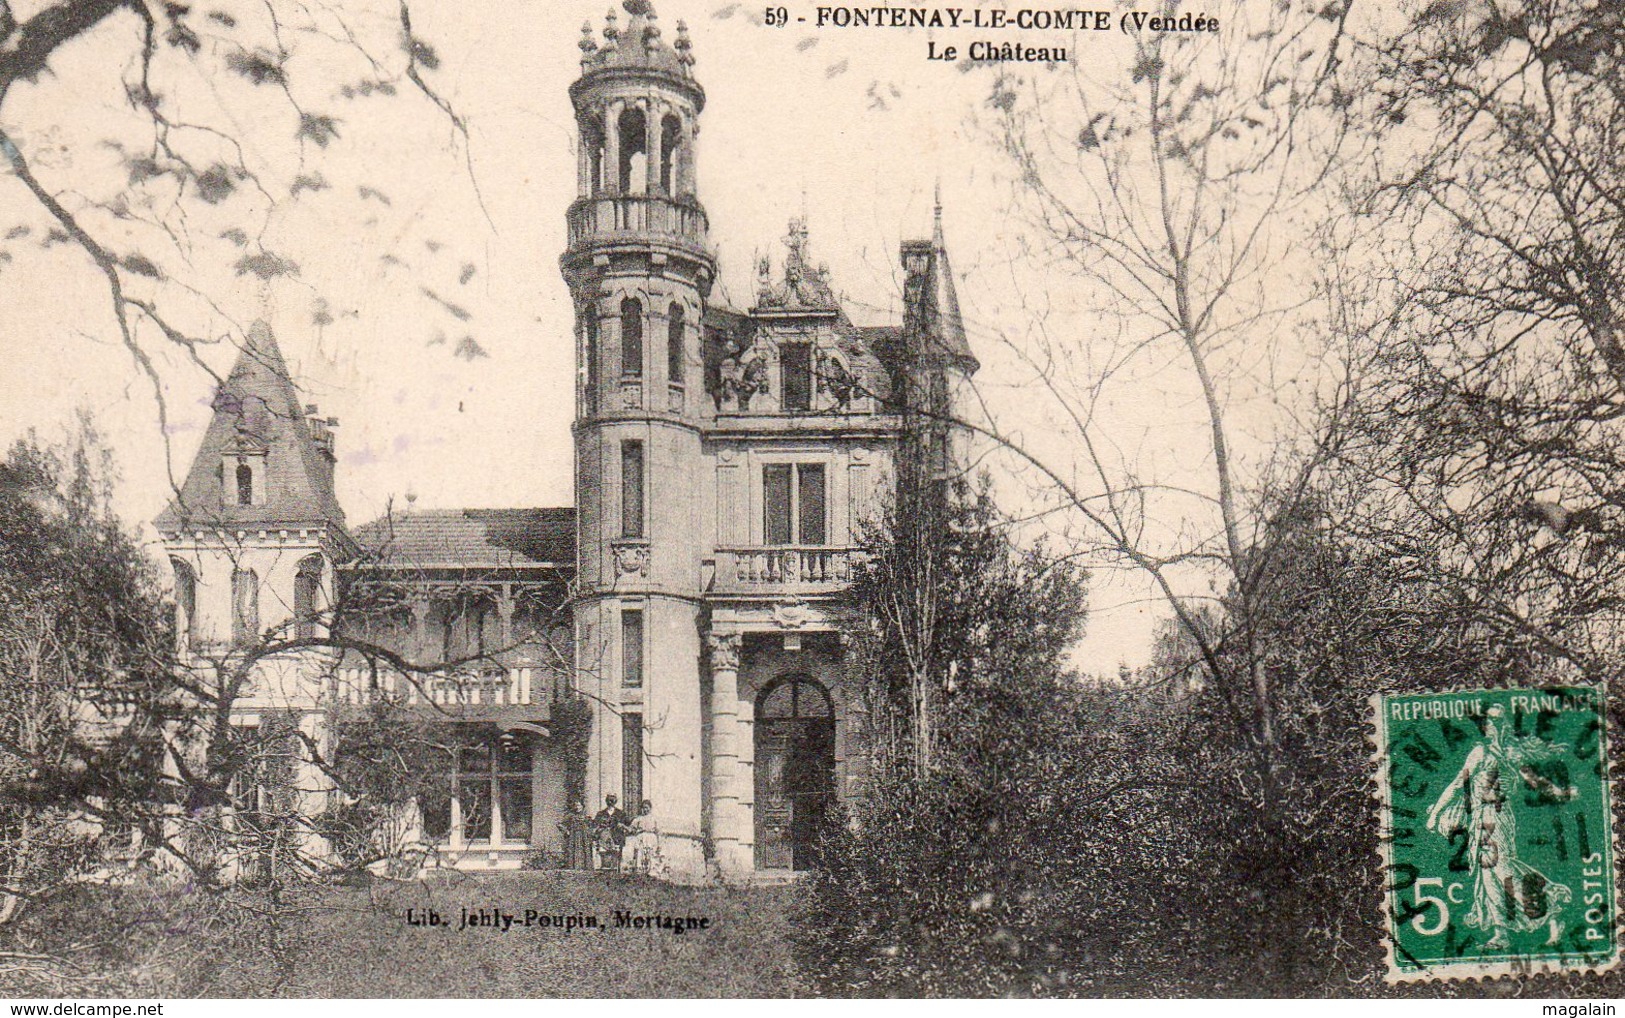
<point>358,942</point>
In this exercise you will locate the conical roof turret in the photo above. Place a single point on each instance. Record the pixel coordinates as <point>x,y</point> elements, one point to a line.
<point>258,416</point>
<point>950,326</point>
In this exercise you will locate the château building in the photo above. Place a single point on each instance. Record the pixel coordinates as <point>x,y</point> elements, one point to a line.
<point>726,464</point>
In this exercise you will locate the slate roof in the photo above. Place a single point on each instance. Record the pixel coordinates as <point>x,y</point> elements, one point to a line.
<point>949,333</point>
<point>472,539</point>
<point>258,408</point>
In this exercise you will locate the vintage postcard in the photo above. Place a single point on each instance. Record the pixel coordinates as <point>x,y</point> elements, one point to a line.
<point>687,498</point>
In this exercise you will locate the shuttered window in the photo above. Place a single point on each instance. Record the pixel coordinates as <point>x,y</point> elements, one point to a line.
<point>632,489</point>
<point>794,504</point>
<point>632,761</point>
<point>632,648</point>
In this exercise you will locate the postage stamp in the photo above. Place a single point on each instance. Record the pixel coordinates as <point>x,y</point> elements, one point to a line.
<point>1497,837</point>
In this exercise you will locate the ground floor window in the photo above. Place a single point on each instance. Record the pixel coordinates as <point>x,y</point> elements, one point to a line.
<point>631,762</point>
<point>491,795</point>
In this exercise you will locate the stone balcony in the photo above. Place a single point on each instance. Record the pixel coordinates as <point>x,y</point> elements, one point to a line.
<point>785,569</point>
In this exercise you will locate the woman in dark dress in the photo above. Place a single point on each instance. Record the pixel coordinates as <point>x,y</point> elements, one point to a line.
<point>577,840</point>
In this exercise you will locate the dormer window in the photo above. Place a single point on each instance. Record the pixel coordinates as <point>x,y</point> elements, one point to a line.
<point>242,476</point>
<point>795,361</point>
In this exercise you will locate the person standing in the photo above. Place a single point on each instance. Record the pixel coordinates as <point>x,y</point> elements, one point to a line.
<point>577,840</point>
<point>609,827</point>
<point>643,846</point>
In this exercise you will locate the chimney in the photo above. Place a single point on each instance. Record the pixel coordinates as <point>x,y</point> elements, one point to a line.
<point>322,435</point>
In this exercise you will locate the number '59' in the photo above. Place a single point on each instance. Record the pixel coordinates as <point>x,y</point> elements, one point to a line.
<point>776,17</point>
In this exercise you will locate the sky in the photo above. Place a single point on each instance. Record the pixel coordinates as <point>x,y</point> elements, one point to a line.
<point>420,238</point>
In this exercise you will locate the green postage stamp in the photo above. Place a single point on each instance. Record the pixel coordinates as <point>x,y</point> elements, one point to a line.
<point>1497,838</point>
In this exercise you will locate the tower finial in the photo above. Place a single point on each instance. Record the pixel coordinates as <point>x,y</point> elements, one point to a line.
<point>684,47</point>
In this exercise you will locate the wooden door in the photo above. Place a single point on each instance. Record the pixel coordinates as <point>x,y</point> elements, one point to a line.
<point>795,772</point>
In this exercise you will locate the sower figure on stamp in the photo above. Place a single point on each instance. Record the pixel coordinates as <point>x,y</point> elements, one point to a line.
<point>1509,895</point>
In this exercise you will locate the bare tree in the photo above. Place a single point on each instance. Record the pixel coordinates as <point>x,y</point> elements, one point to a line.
<point>1485,446</point>
<point>1175,198</point>
<point>164,140</point>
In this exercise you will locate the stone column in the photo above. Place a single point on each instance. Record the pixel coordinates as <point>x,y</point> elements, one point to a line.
<point>725,812</point>
<point>651,147</point>
<point>585,185</point>
<point>854,719</point>
<point>745,781</point>
<point>505,609</point>
<point>686,178</point>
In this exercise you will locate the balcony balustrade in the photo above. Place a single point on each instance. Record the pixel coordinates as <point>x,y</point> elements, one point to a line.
<point>459,693</point>
<point>609,217</point>
<point>785,569</point>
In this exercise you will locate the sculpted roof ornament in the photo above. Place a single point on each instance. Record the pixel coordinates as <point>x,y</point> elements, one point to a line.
<point>638,45</point>
<point>804,287</point>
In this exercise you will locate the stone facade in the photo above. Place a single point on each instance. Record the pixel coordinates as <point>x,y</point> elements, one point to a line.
<point>727,465</point>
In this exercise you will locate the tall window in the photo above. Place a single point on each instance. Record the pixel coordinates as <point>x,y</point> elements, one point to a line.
<point>632,489</point>
<point>632,761</point>
<point>592,136</point>
<point>632,648</point>
<point>493,800</point>
<point>185,599</point>
<point>245,484</point>
<point>306,582</point>
<point>793,503</point>
<point>796,361</point>
<point>262,786</point>
<point>245,601</point>
<point>671,139</point>
<point>674,344</point>
<point>590,328</point>
<point>634,168</point>
<point>631,337</point>
<point>462,635</point>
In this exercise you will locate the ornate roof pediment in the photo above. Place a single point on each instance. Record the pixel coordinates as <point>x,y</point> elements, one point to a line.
<point>804,287</point>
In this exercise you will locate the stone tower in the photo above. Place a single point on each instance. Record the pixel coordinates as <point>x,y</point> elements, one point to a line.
<point>639,269</point>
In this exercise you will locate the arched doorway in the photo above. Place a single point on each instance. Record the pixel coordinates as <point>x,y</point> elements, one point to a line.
<point>795,771</point>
